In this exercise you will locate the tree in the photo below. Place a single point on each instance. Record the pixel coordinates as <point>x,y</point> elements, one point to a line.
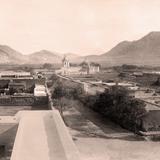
<point>54,78</point>
<point>119,106</point>
<point>59,91</point>
<point>157,82</point>
<point>47,66</point>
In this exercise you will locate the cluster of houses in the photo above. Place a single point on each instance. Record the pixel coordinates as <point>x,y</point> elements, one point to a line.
<point>21,88</point>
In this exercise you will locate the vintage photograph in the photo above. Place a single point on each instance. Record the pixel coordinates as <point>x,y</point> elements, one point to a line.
<point>79,80</point>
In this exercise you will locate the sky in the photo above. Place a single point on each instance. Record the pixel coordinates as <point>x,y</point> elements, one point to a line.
<point>75,26</point>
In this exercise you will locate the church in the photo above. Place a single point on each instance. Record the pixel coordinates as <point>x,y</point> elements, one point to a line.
<point>83,68</point>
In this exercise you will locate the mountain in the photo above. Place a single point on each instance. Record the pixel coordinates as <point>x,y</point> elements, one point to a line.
<point>71,56</point>
<point>74,58</point>
<point>44,56</point>
<point>145,51</point>
<point>9,55</point>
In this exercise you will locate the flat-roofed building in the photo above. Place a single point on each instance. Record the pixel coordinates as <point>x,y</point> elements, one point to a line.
<point>13,74</point>
<point>150,121</point>
<point>40,91</point>
<point>17,86</point>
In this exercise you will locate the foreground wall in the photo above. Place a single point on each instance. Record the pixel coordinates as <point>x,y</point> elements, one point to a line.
<point>42,135</point>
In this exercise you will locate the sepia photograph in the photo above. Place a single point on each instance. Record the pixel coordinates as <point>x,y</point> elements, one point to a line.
<point>79,80</point>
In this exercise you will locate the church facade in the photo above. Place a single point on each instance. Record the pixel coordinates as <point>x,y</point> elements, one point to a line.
<point>84,68</point>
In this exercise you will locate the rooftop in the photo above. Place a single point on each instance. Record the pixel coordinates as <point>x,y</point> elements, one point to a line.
<point>15,73</point>
<point>41,135</point>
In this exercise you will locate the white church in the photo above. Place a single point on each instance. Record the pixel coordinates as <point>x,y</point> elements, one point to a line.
<point>84,68</point>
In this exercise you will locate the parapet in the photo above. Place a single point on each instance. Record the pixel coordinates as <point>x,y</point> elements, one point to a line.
<point>42,135</point>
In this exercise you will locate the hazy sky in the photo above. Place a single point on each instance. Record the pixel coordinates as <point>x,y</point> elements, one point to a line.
<point>76,26</point>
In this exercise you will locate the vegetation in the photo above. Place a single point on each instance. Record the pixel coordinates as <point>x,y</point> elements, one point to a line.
<point>64,91</point>
<point>157,82</point>
<point>54,78</point>
<point>129,67</point>
<point>118,106</point>
<point>47,66</point>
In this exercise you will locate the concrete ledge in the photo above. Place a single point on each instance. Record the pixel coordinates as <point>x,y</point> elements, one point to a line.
<point>70,149</point>
<point>42,135</point>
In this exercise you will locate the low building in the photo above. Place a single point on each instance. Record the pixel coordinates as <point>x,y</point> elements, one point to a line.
<point>40,91</point>
<point>94,68</point>
<point>122,84</point>
<point>90,68</point>
<point>43,71</point>
<point>151,120</point>
<point>17,86</point>
<point>138,74</point>
<point>13,74</point>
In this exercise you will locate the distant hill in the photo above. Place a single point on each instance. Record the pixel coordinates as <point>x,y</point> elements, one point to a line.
<point>74,58</point>
<point>145,51</point>
<point>44,56</point>
<point>9,55</point>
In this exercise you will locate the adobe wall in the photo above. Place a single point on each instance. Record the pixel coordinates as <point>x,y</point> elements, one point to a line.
<point>151,121</point>
<point>16,100</point>
<point>29,82</point>
<point>22,100</point>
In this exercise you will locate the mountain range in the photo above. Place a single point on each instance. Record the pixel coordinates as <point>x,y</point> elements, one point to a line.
<point>145,51</point>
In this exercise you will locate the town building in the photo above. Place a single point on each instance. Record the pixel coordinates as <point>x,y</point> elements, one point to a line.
<point>83,69</point>
<point>19,87</point>
<point>13,74</point>
<point>40,91</point>
<point>138,74</point>
<point>150,121</point>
